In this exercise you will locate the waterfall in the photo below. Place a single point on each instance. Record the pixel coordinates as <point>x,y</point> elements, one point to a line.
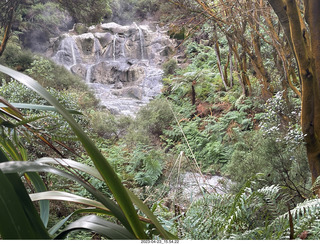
<point>114,46</point>
<point>68,53</point>
<point>123,47</point>
<point>73,53</point>
<point>97,49</point>
<point>111,60</point>
<point>141,40</point>
<point>89,73</point>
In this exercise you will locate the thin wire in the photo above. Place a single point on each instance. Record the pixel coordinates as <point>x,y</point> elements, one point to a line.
<point>193,156</point>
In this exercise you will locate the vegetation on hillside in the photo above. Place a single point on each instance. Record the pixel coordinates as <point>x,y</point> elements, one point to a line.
<point>232,105</point>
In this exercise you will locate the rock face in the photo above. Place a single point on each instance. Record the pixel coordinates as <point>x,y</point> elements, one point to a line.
<point>121,63</point>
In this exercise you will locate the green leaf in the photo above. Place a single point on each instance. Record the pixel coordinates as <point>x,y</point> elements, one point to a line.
<point>58,225</point>
<point>93,223</point>
<point>65,196</point>
<point>100,162</point>
<point>18,220</point>
<point>44,204</point>
<point>71,164</point>
<point>151,216</point>
<point>38,107</point>
<point>92,171</point>
<point>35,166</point>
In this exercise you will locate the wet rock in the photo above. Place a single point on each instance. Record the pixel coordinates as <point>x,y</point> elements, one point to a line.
<point>121,63</point>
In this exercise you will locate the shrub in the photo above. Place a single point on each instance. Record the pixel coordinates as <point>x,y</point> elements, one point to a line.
<point>16,58</point>
<point>150,122</point>
<point>256,153</point>
<point>51,122</point>
<point>107,125</point>
<point>170,67</point>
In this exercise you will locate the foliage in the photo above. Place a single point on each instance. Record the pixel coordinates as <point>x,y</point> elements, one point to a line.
<point>252,213</point>
<point>148,165</point>
<point>149,123</point>
<point>50,122</point>
<point>40,21</point>
<point>108,126</point>
<point>88,12</point>
<point>170,67</point>
<point>122,208</point>
<point>55,76</point>
<point>277,150</point>
<point>210,138</point>
<point>17,58</point>
<point>127,11</point>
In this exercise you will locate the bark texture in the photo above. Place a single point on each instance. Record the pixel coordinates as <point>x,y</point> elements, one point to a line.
<point>305,44</point>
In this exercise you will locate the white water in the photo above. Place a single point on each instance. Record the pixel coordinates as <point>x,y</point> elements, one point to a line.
<point>113,62</point>
<point>141,36</point>
<point>89,73</point>
<point>114,47</point>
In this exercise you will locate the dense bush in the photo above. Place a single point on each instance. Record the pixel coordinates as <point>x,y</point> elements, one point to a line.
<point>277,150</point>
<point>150,122</point>
<point>170,67</point>
<point>51,122</point>
<point>16,58</point>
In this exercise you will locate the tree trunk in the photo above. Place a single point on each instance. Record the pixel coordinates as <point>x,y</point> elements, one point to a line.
<point>306,48</point>
<point>7,30</point>
<point>313,140</point>
<point>217,50</point>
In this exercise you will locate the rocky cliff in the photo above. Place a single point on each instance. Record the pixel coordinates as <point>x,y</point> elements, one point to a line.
<point>121,63</point>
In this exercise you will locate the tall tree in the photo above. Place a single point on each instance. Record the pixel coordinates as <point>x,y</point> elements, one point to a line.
<point>8,9</point>
<point>303,33</point>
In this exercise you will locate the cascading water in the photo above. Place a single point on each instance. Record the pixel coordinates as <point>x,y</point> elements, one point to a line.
<point>68,53</point>
<point>141,37</point>
<point>112,59</point>
<point>114,47</point>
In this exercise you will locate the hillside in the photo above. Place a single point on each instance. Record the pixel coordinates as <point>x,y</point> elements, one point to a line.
<point>185,120</point>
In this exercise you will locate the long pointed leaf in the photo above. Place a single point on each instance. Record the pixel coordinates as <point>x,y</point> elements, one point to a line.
<point>35,166</point>
<point>100,226</point>
<point>71,164</point>
<point>38,107</point>
<point>105,169</point>
<point>18,221</point>
<point>95,173</point>
<point>65,196</point>
<point>58,225</point>
<point>44,204</point>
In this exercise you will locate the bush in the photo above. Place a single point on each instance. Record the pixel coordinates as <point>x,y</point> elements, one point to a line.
<point>170,67</point>
<point>109,126</point>
<point>16,58</point>
<point>257,153</point>
<point>150,122</point>
<point>51,122</point>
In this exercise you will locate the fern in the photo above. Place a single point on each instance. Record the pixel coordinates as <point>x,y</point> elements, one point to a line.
<point>146,164</point>
<point>206,217</point>
<point>250,214</point>
<point>306,217</point>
